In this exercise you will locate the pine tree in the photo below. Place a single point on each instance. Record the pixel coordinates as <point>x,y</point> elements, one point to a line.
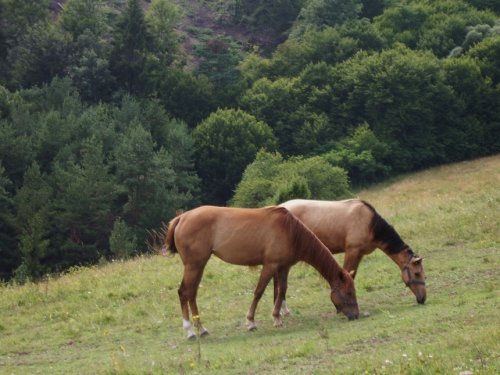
<point>131,45</point>
<point>9,256</point>
<point>83,206</point>
<point>32,223</point>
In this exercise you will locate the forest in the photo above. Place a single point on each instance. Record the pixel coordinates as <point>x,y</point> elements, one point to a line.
<point>115,114</point>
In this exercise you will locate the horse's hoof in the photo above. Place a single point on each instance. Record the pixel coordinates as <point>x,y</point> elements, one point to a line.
<point>191,337</point>
<point>204,333</point>
<point>252,327</point>
<point>277,320</point>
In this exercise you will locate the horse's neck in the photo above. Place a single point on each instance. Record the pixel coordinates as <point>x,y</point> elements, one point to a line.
<point>322,260</point>
<point>400,258</point>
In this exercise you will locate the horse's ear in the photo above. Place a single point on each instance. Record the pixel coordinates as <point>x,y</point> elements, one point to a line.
<point>417,260</point>
<point>352,272</point>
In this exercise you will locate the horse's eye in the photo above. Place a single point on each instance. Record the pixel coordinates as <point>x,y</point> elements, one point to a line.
<point>418,274</point>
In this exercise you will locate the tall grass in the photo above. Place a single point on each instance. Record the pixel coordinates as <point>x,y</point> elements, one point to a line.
<point>124,317</point>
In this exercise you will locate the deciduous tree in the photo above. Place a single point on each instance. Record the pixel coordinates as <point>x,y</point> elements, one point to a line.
<point>226,142</point>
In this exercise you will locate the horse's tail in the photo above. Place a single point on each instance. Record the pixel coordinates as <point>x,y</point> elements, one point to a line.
<point>169,244</point>
<point>162,240</point>
<point>384,232</point>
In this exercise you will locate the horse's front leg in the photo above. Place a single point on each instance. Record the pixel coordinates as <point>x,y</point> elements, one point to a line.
<point>351,260</point>
<point>265,276</point>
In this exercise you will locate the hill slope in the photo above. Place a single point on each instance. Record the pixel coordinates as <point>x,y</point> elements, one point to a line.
<point>125,317</point>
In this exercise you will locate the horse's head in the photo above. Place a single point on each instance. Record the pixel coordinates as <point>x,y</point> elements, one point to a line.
<point>343,296</point>
<point>414,277</point>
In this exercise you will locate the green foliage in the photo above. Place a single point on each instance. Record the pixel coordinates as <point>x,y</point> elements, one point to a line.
<point>89,69</point>
<point>32,223</point>
<point>262,14</point>
<point>197,95</point>
<point>9,256</point>
<point>321,13</point>
<point>157,173</point>
<point>486,4</point>
<point>219,59</point>
<point>296,188</point>
<point>398,93</point>
<point>41,54</point>
<point>362,155</point>
<point>135,161</point>
<point>271,180</point>
<point>87,22</point>
<point>130,47</point>
<point>487,54</point>
<point>256,185</point>
<point>91,172</point>
<point>84,16</point>
<point>71,77</point>
<point>226,142</point>
<point>475,34</point>
<point>82,207</point>
<point>330,44</point>
<point>324,181</point>
<point>372,8</point>
<point>272,103</point>
<point>438,26</point>
<point>122,243</point>
<point>18,17</point>
<point>16,151</point>
<point>162,17</point>
<point>470,130</point>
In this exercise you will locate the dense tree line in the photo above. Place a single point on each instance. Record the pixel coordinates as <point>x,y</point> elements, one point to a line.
<point>105,131</point>
<point>73,175</point>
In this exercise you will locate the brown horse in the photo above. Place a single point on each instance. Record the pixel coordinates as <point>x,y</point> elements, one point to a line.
<point>353,226</point>
<point>271,237</point>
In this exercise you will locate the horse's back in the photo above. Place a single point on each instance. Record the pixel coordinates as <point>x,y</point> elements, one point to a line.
<point>338,224</point>
<point>236,235</point>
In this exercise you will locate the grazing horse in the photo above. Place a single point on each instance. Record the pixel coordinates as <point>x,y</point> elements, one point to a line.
<point>270,236</point>
<point>353,226</point>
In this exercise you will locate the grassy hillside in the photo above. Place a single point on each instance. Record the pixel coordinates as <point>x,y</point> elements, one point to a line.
<point>125,318</point>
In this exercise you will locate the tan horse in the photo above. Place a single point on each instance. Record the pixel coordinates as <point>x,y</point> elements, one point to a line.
<point>271,237</point>
<point>353,226</point>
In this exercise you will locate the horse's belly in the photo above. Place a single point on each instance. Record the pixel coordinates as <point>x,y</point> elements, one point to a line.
<point>239,256</point>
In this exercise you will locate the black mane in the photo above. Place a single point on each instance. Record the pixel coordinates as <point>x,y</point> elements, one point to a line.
<point>384,232</point>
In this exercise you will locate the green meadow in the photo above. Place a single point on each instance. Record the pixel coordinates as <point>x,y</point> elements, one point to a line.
<point>124,317</point>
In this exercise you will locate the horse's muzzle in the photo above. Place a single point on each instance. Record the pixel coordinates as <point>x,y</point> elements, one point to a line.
<point>421,300</point>
<point>352,317</point>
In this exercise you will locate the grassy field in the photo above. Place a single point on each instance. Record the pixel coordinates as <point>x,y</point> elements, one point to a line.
<point>124,317</point>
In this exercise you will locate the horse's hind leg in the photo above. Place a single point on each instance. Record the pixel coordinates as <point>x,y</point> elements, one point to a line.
<point>187,294</point>
<point>186,323</point>
<point>281,277</point>
<point>265,276</point>
<point>284,308</point>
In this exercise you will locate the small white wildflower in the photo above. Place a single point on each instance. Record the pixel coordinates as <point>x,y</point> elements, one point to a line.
<point>420,354</point>
<point>405,355</point>
<point>388,361</point>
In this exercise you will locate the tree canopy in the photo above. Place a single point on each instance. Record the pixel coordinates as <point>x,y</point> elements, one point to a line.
<point>116,114</point>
